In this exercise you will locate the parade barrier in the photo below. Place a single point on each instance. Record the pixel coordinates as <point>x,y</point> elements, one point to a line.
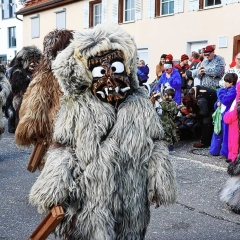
<point>48,224</point>
<point>39,150</point>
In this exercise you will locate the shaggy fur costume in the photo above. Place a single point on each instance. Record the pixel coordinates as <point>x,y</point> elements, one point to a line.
<point>5,89</point>
<point>108,165</point>
<point>25,62</point>
<point>41,100</point>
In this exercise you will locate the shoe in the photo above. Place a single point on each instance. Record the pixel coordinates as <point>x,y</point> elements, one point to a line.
<point>228,160</point>
<point>170,148</point>
<point>200,145</point>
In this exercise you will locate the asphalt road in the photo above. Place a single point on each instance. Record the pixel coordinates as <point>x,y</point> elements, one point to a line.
<point>198,213</point>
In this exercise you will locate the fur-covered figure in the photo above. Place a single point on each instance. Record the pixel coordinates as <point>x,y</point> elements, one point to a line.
<point>5,89</point>
<point>41,100</point>
<point>24,65</point>
<point>108,163</point>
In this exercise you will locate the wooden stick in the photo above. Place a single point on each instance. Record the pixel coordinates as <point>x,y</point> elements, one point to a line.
<point>48,224</point>
<point>37,155</point>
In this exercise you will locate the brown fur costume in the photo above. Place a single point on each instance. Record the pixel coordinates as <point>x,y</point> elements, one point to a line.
<point>41,100</point>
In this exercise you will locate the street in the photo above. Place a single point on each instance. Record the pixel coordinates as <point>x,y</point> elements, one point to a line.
<point>198,213</point>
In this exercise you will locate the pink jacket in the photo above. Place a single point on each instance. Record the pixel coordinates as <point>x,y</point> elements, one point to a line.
<point>231,118</point>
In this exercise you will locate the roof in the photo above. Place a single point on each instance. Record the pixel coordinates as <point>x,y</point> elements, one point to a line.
<point>36,6</point>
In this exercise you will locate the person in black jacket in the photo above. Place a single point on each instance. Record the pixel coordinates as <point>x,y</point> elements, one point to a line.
<point>204,99</point>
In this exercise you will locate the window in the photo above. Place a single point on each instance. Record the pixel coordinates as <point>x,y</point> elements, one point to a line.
<point>167,7</point>
<point>129,10</point>
<point>8,9</point>
<point>35,26</point>
<point>95,13</point>
<point>61,18</point>
<point>209,3</point>
<point>12,37</point>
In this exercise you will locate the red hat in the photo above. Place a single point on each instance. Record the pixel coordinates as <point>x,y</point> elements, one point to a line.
<point>208,49</point>
<point>184,57</point>
<point>169,57</point>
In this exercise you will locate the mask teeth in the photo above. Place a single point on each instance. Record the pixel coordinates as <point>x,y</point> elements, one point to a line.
<point>101,93</point>
<point>124,89</point>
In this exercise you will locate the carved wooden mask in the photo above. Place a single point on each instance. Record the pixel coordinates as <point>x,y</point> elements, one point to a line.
<point>110,80</point>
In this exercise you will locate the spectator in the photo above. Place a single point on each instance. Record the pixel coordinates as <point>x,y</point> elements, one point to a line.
<point>182,68</point>
<point>233,63</point>
<point>235,69</point>
<point>219,143</point>
<point>170,79</point>
<point>205,98</point>
<point>169,58</point>
<point>194,65</point>
<point>167,109</point>
<point>142,72</point>
<point>201,55</point>
<point>231,118</point>
<point>195,60</point>
<point>160,66</point>
<point>211,69</point>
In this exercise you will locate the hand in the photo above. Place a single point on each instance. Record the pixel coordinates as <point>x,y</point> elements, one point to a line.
<point>219,104</point>
<point>153,99</point>
<point>184,75</point>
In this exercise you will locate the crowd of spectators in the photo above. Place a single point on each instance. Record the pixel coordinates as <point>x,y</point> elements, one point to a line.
<point>204,94</point>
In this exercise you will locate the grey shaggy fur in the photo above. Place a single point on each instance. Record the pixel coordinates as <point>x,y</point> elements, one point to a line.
<point>6,89</point>
<point>113,164</point>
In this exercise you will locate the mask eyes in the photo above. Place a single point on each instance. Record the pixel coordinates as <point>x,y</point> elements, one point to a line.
<point>98,72</point>
<point>117,67</point>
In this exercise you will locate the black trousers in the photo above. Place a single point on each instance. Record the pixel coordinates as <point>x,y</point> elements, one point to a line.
<point>207,130</point>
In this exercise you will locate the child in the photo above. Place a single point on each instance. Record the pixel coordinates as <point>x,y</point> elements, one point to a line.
<point>142,72</point>
<point>219,142</point>
<point>167,108</point>
<point>231,118</point>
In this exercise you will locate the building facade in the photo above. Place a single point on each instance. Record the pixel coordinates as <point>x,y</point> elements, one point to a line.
<point>158,26</point>
<point>11,30</point>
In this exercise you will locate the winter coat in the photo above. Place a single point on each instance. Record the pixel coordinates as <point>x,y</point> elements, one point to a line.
<point>214,71</point>
<point>231,118</point>
<point>219,143</point>
<point>174,81</point>
<point>143,72</point>
<point>169,113</point>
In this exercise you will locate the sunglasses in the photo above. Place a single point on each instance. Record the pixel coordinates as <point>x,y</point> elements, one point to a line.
<point>207,54</point>
<point>168,69</point>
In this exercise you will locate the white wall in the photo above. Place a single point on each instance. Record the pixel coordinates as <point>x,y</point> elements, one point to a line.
<point>4,25</point>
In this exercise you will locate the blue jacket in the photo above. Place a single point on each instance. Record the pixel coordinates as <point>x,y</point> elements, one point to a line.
<point>174,81</point>
<point>143,72</point>
<point>226,96</point>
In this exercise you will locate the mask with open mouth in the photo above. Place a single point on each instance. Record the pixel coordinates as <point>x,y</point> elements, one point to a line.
<point>110,80</point>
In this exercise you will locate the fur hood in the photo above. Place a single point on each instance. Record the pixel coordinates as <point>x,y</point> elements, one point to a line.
<point>70,66</point>
<point>25,54</point>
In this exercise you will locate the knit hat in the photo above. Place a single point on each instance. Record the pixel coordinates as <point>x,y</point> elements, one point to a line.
<point>184,57</point>
<point>164,56</point>
<point>209,49</point>
<point>169,57</point>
